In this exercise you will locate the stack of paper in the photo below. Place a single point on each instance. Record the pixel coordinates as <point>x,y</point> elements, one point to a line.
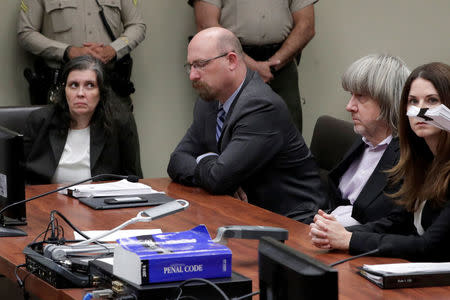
<point>110,189</point>
<point>438,116</point>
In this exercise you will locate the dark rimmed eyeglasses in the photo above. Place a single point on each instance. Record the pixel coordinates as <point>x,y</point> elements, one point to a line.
<point>200,64</point>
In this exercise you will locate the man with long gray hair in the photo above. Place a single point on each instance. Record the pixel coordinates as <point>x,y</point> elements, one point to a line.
<point>358,184</point>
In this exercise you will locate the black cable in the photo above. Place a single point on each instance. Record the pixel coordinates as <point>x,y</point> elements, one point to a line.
<point>355,257</point>
<point>207,282</point>
<point>57,239</point>
<point>69,223</point>
<point>63,234</point>
<point>246,296</point>
<point>189,297</point>
<point>35,239</point>
<point>21,282</point>
<point>53,238</point>
<point>45,232</point>
<point>72,226</point>
<point>131,178</point>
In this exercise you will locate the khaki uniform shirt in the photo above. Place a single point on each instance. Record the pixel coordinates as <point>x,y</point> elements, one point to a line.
<point>47,27</point>
<point>259,22</point>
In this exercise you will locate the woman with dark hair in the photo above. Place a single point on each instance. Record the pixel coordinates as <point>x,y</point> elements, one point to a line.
<point>422,230</point>
<point>83,133</point>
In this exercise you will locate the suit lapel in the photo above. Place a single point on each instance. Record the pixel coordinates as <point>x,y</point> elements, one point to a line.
<point>57,143</point>
<point>355,150</point>
<point>247,79</point>
<point>210,126</point>
<point>97,143</point>
<point>377,181</point>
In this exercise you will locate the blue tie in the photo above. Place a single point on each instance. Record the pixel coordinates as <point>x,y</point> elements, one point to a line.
<point>220,120</point>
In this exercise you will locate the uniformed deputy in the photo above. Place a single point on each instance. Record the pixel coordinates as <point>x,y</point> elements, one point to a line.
<point>58,30</point>
<point>273,34</point>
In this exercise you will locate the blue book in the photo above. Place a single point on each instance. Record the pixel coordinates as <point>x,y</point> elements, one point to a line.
<point>171,256</point>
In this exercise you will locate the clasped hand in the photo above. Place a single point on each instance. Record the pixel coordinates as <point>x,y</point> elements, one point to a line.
<point>327,233</point>
<point>241,195</point>
<point>264,68</point>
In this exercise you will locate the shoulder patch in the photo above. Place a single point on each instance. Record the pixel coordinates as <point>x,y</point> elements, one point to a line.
<point>23,6</point>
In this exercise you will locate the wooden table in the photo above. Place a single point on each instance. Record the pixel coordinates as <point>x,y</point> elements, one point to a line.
<point>213,211</point>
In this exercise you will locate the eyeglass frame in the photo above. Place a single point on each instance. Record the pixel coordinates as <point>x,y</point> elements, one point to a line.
<point>200,64</point>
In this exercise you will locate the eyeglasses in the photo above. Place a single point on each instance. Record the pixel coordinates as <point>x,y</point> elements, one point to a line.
<point>200,64</point>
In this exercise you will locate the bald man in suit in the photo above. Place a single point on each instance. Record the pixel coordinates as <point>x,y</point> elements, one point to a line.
<point>242,141</point>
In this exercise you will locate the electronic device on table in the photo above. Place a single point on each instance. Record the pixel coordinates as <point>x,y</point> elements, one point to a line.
<point>71,264</point>
<point>12,182</point>
<point>285,273</point>
<point>125,201</point>
<point>234,286</point>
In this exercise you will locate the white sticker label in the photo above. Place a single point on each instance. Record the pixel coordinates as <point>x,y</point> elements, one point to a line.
<point>3,186</point>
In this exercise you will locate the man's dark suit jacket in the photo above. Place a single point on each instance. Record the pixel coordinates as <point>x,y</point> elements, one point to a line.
<point>372,203</point>
<point>259,150</point>
<point>116,153</point>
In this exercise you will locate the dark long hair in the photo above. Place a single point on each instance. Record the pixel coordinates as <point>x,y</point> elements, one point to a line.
<point>103,113</point>
<point>424,176</point>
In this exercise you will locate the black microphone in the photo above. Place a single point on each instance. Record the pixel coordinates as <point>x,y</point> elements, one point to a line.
<point>4,231</point>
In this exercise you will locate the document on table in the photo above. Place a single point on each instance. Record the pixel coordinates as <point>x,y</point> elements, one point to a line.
<point>117,188</point>
<point>408,268</point>
<point>407,275</point>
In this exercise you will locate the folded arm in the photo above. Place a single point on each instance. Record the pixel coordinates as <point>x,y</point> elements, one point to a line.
<point>254,142</point>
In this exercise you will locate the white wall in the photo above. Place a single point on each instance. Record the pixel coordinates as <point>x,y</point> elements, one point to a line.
<point>415,30</point>
<point>164,98</point>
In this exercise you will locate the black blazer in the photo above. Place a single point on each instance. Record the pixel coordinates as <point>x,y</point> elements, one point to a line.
<point>396,235</point>
<point>117,153</point>
<point>259,150</point>
<point>372,203</point>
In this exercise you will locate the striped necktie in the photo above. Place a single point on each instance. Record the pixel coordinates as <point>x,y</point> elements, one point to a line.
<point>219,123</point>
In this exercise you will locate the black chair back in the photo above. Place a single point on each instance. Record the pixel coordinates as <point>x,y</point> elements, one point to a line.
<point>15,117</point>
<point>331,139</point>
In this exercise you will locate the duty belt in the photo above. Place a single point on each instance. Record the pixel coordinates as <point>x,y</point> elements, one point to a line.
<point>262,52</point>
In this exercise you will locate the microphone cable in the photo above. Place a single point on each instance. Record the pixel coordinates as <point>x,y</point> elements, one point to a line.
<point>355,257</point>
